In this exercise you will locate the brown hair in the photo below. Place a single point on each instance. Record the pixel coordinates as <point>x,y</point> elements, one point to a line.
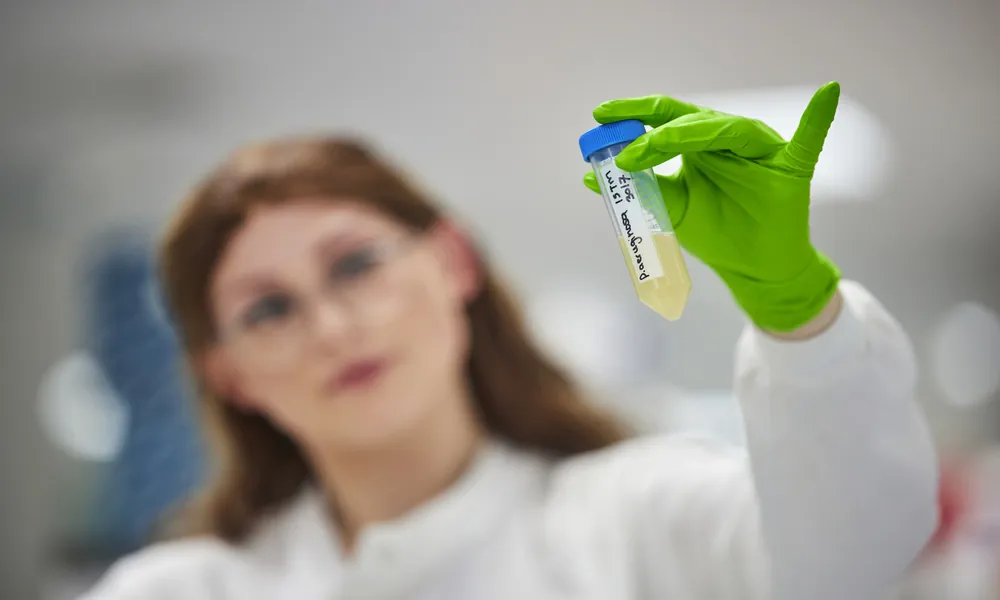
<point>521,396</point>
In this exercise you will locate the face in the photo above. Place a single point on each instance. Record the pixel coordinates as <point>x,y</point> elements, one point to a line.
<point>341,325</point>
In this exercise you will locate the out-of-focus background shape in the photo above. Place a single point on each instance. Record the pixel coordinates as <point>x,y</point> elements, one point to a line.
<point>110,110</point>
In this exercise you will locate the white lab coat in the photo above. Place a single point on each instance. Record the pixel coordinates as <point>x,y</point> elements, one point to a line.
<point>836,497</point>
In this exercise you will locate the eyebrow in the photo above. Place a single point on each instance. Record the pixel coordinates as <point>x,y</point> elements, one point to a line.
<point>247,284</point>
<point>341,240</point>
<point>255,283</point>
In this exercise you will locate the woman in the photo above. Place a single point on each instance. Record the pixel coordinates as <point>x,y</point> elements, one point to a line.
<point>387,430</point>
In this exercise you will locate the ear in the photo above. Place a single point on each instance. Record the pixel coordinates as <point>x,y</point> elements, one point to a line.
<point>461,258</point>
<point>222,379</point>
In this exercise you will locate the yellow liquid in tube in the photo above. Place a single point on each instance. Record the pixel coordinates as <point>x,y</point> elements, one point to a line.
<point>668,293</point>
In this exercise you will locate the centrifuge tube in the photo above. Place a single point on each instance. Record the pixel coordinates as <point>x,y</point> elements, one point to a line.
<point>636,207</point>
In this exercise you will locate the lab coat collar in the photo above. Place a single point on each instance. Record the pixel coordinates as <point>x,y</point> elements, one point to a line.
<point>398,553</point>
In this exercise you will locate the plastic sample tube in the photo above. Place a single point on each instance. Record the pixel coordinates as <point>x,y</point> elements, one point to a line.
<point>640,218</point>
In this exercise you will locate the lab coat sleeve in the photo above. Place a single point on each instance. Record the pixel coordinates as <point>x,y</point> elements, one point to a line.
<point>841,456</point>
<point>838,493</point>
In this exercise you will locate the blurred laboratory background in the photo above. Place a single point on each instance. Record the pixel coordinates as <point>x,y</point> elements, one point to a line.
<point>110,110</point>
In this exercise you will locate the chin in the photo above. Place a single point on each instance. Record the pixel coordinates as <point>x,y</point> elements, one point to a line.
<point>372,422</point>
<point>368,437</point>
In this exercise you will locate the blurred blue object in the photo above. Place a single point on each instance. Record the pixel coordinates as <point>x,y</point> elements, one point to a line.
<point>130,337</point>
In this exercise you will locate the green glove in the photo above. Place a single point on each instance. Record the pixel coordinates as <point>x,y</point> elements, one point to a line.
<point>740,201</point>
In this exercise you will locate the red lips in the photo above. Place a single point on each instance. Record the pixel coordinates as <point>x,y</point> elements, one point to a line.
<point>359,374</point>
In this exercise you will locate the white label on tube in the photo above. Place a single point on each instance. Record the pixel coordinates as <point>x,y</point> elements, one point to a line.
<point>624,202</point>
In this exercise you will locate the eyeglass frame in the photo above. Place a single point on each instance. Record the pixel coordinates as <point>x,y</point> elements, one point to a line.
<point>389,252</point>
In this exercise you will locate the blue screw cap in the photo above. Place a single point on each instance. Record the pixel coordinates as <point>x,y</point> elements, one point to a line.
<point>609,134</point>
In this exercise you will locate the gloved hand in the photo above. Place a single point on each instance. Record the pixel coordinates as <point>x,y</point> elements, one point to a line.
<point>740,202</point>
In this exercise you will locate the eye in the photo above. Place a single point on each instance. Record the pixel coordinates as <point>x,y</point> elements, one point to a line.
<point>268,308</point>
<point>355,264</point>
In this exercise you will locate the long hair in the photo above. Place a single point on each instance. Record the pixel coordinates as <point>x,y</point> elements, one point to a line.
<point>520,395</point>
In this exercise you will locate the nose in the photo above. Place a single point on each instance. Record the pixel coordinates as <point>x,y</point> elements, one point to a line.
<point>332,322</point>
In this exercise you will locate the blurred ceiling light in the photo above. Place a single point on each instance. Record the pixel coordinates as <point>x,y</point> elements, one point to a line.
<point>966,354</point>
<point>856,157</point>
<point>79,411</point>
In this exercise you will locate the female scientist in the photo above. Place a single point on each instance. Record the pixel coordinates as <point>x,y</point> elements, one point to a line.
<point>387,429</point>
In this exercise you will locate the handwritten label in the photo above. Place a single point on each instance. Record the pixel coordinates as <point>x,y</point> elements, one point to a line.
<point>632,222</point>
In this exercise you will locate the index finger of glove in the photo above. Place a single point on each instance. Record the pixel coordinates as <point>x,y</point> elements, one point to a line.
<point>651,110</point>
